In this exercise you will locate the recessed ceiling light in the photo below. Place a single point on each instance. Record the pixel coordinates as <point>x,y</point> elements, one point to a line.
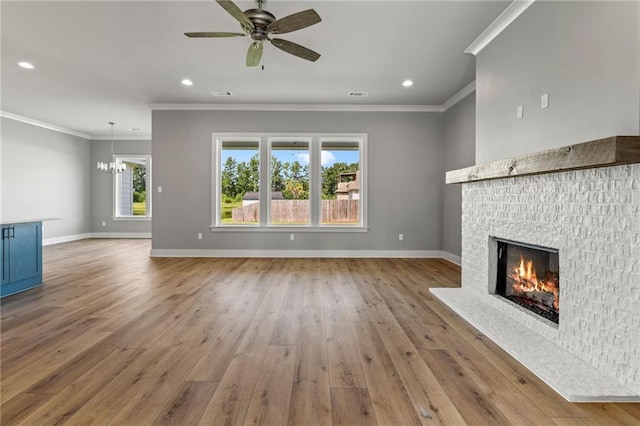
<point>187,82</point>
<point>407,83</point>
<point>135,129</point>
<point>358,94</point>
<point>222,93</point>
<point>26,65</point>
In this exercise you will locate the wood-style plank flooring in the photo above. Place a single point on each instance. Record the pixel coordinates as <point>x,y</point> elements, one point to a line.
<point>117,338</point>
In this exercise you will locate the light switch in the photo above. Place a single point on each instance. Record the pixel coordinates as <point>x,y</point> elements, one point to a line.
<point>544,101</point>
<point>519,111</point>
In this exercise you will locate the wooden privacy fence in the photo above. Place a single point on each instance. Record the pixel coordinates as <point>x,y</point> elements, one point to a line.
<point>340,211</point>
<point>297,211</point>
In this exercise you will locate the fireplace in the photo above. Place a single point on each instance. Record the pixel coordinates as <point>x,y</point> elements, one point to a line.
<point>529,276</point>
<point>583,200</point>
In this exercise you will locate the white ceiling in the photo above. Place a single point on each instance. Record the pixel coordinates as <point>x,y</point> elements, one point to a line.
<point>100,61</point>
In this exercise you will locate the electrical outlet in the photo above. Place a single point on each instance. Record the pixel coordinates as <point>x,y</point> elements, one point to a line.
<point>159,189</point>
<point>519,111</point>
<point>544,101</point>
<point>400,237</point>
<point>291,237</point>
<point>199,235</point>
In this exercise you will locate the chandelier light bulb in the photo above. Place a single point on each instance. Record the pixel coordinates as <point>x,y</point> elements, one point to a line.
<point>112,166</point>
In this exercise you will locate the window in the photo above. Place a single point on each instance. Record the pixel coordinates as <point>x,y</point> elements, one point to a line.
<point>239,197</point>
<point>133,187</point>
<point>275,182</point>
<point>289,177</point>
<point>340,180</point>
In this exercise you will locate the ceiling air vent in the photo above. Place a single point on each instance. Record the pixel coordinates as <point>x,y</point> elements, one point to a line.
<point>222,93</point>
<point>358,94</point>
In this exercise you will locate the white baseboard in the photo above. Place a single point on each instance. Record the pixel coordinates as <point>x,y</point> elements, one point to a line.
<point>121,235</point>
<point>417,254</point>
<point>76,237</point>
<point>452,258</point>
<point>298,253</point>
<point>65,239</point>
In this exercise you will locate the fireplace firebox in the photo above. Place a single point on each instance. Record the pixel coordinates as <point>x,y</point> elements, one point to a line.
<point>529,276</point>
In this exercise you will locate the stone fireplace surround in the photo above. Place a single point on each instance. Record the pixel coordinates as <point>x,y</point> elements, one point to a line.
<point>592,215</point>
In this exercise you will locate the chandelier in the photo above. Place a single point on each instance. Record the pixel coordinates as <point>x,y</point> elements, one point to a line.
<point>112,166</point>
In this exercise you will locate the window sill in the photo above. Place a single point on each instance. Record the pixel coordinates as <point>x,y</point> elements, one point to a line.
<point>284,229</point>
<point>131,219</point>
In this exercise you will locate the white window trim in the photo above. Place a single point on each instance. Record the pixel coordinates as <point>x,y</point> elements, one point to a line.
<point>116,190</point>
<point>315,188</point>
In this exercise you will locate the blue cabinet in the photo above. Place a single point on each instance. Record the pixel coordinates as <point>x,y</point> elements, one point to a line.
<point>21,253</point>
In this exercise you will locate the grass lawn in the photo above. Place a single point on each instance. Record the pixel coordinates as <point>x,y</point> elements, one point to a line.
<point>225,211</point>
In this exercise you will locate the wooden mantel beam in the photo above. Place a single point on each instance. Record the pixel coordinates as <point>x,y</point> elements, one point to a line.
<point>611,151</point>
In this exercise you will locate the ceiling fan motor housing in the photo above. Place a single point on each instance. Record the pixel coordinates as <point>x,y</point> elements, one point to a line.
<point>261,20</point>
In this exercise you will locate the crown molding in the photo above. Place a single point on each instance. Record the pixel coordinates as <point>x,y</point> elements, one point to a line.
<point>42,124</point>
<point>514,10</point>
<point>298,107</point>
<point>121,138</point>
<point>463,93</point>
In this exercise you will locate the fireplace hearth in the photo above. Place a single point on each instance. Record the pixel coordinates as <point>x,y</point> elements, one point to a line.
<point>529,276</point>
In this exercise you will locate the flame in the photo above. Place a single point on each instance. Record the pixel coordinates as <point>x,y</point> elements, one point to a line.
<point>528,273</point>
<point>526,280</point>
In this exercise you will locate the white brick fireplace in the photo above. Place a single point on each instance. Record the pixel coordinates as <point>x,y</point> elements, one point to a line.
<point>592,216</point>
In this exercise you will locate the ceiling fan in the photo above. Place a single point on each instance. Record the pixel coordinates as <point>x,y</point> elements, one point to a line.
<point>259,24</point>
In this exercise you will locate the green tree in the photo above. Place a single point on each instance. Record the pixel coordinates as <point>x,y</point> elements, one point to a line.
<point>295,190</point>
<point>254,172</point>
<point>230,178</point>
<point>295,178</point>
<point>139,176</point>
<point>297,172</point>
<point>277,178</point>
<point>248,175</point>
<point>244,179</point>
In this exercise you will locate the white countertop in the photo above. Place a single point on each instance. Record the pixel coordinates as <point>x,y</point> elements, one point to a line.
<point>11,221</point>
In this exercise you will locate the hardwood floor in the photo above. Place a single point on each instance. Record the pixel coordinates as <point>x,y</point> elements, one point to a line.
<point>115,337</point>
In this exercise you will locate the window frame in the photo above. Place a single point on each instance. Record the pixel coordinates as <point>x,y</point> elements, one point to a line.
<point>315,188</point>
<point>118,158</point>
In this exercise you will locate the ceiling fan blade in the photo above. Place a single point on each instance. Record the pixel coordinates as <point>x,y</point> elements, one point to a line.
<point>254,54</point>
<point>214,34</point>
<point>294,22</point>
<point>295,49</point>
<point>236,12</point>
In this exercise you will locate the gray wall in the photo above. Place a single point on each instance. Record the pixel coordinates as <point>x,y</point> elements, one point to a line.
<point>586,55</point>
<point>45,174</point>
<point>102,187</point>
<point>405,178</point>
<point>459,152</point>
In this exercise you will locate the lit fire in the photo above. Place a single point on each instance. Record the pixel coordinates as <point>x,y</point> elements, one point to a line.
<point>525,281</point>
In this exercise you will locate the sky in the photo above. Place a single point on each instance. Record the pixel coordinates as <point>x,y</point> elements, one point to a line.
<point>328,157</point>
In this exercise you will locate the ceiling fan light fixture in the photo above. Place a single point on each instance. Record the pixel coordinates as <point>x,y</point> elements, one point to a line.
<point>407,83</point>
